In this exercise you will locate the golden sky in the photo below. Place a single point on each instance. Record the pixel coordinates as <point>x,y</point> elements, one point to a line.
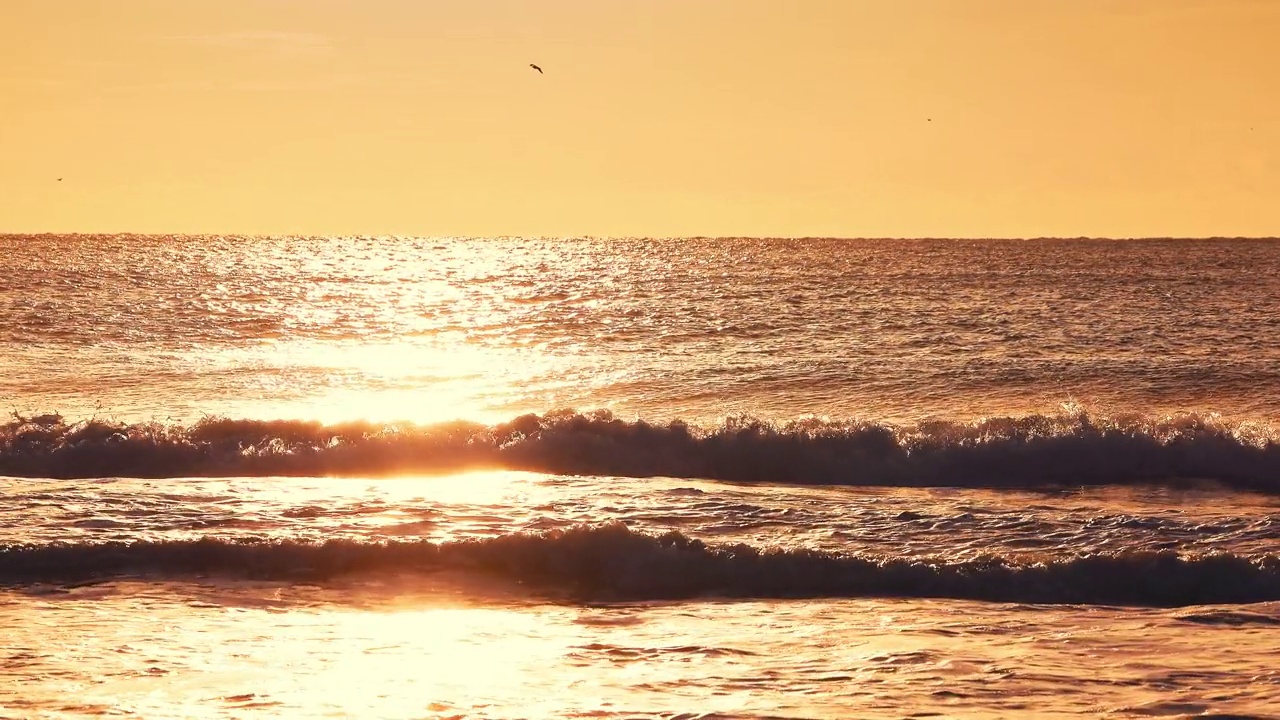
<point>655,117</point>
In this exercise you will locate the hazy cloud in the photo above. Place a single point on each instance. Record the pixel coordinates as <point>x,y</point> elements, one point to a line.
<point>284,42</point>
<point>40,82</point>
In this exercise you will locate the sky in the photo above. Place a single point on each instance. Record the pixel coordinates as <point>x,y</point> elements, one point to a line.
<point>852,118</point>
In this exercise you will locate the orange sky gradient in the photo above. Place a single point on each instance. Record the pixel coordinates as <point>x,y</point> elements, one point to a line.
<point>655,117</point>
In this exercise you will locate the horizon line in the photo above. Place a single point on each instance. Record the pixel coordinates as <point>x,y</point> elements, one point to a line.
<point>380,236</point>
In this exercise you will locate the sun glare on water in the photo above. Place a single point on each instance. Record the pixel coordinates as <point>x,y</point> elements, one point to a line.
<point>409,381</point>
<point>459,652</point>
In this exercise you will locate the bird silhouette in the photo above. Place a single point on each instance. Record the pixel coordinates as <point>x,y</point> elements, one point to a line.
<point>59,179</point>
<point>535,67</point>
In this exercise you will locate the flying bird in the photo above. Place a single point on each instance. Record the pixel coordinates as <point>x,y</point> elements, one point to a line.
<point>535,67</point>
<point>59,179</point>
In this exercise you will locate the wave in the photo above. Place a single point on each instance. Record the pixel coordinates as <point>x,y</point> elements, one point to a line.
<point>1064,449</point>
<point>613,562</point>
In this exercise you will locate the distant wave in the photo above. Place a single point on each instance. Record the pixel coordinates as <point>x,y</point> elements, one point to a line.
<point>1070,448</point>
<point>612,562</point>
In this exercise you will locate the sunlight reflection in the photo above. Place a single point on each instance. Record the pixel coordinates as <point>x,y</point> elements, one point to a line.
<point>251,651</point>
<point>456,652</point>
<point>483,488</point>
<point>436,508</point>
<point>410,380</point>
<point>480,487</point>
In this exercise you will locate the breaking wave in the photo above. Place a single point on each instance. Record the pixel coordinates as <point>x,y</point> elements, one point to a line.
<point>1069,448</point>
<point>612,562</point>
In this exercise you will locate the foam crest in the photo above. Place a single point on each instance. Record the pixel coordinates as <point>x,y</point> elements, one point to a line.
<point>1069,448</point>
<point>612,562</point>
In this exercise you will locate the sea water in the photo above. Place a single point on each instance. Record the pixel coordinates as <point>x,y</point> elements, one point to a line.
<point>543,478</point>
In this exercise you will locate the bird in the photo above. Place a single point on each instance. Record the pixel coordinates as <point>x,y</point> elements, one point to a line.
<point>59,179</point>
<point>535,67</point>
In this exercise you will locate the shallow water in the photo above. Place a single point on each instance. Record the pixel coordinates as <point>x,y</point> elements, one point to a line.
<point>159,640</point>
<point>948,523</point>
<point>263,651</point>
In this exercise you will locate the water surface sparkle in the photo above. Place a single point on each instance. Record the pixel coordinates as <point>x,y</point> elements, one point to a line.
<point>402,651</point>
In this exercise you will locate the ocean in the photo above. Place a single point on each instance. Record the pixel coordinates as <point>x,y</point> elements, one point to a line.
<point>262,477</point>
